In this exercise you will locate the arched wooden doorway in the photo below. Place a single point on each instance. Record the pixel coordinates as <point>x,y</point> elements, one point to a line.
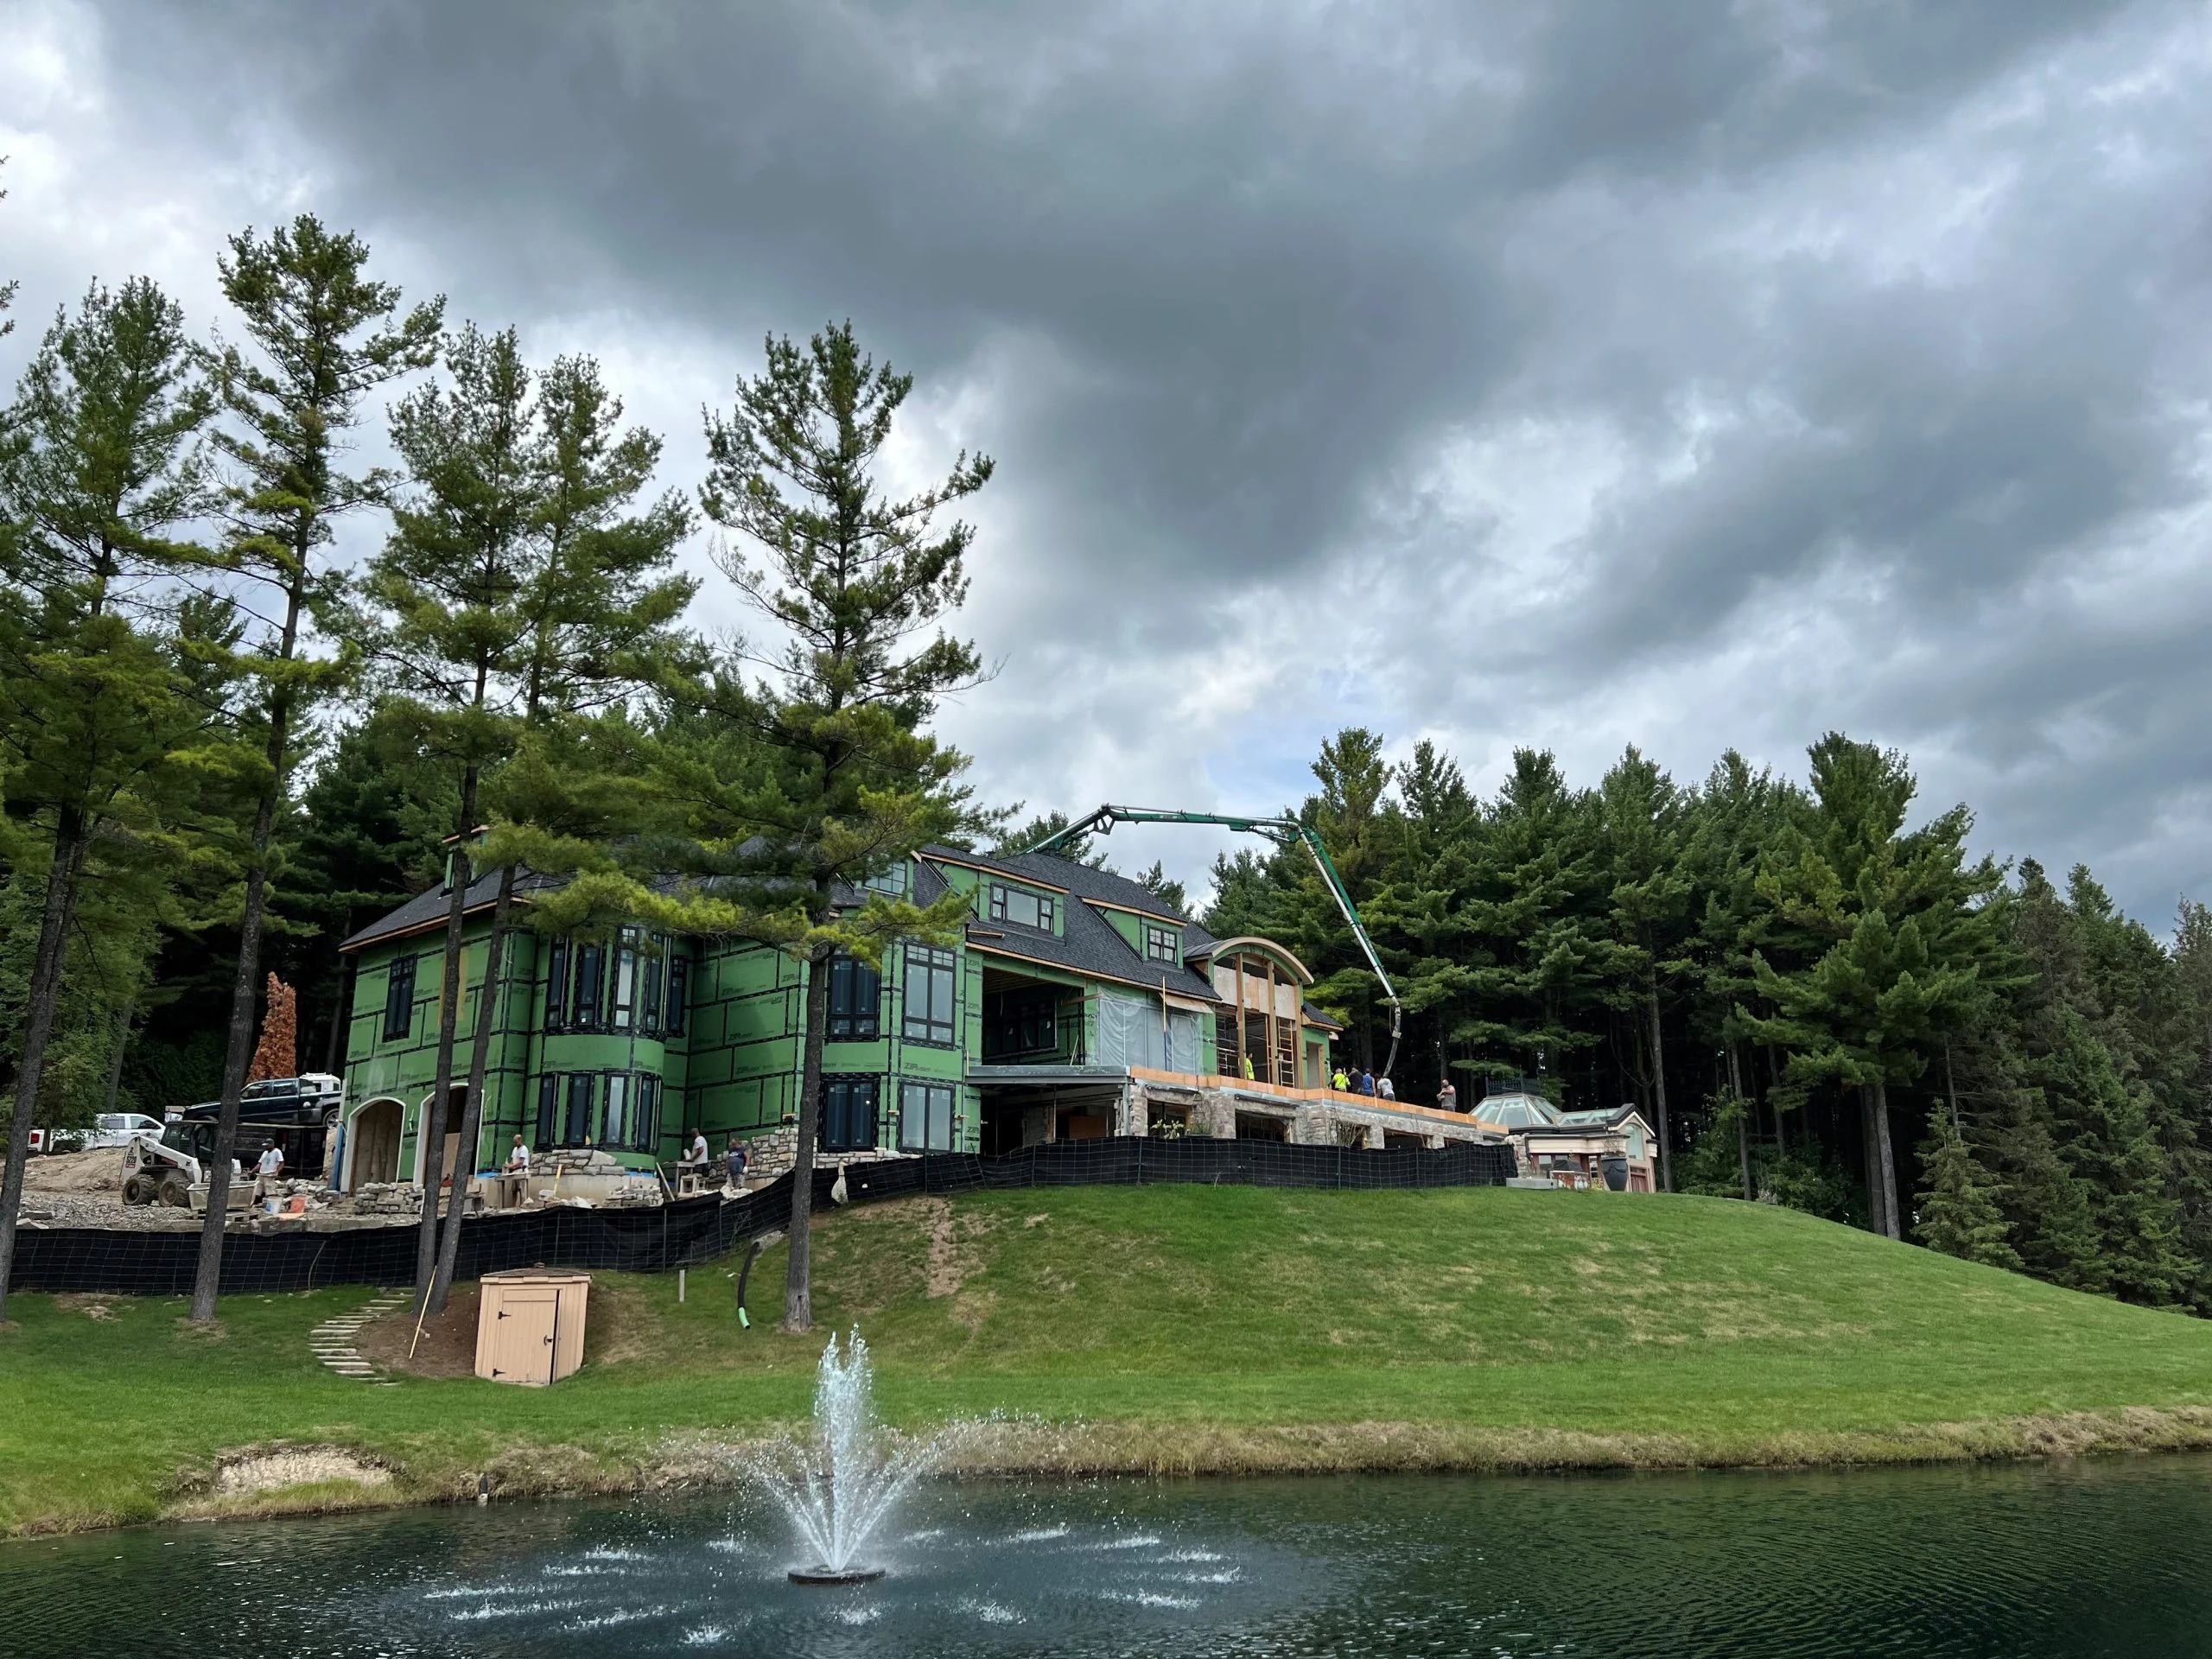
<point>374,1135</point>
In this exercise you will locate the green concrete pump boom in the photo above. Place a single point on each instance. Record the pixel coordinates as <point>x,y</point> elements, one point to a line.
<point>1284,832</point>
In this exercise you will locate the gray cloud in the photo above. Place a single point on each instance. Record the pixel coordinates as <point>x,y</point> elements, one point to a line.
<point>1580,374</point>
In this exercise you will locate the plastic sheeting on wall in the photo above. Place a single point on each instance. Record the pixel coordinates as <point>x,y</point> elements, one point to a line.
<point>1132,1032</point>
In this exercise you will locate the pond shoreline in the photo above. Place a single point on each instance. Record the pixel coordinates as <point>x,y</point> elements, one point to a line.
<point>281,1478</point>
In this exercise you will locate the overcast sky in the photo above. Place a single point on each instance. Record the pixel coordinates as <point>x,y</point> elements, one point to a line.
<point>1570,375</point>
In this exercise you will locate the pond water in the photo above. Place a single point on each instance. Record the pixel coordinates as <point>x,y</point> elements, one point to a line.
<point>2076,1559</point>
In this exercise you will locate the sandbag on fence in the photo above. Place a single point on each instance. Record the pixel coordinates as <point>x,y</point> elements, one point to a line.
<point>692,1232</point>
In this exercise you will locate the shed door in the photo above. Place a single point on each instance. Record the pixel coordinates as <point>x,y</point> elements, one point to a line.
<point>522,1334</point>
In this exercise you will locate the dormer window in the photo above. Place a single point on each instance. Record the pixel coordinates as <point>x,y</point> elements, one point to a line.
<point>1021,907</point>
<point>1163,943</point>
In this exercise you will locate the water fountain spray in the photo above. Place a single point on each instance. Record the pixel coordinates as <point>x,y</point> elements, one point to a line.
<point>837,1486</point>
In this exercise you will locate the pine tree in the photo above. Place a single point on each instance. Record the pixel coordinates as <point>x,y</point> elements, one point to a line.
<point>789,795</point>
<point>324,339</point>
<point>1959,1214</point>
<point>97,466</point>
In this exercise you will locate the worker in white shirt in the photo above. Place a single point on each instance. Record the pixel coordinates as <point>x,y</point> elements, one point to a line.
<point>270,1170</point>
<point>519,1159</point>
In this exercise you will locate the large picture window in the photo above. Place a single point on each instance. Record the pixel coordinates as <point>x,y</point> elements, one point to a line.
<point>1021,906</point>
<point>399,999</point>
<point>856,993</point>
<point>925,1117</point>
<point>1020,1022</point>
<point>930,983</point>
<point>849,1113</point>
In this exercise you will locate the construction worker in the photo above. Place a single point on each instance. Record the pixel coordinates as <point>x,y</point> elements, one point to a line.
<point>518,1159</point>
<point>1447,1098</point>
<point>1249,1074</point>
<point>736,1160</point>
<point>1342,1081</point>
<point>270,1170</point>
<point>1383,1087</point>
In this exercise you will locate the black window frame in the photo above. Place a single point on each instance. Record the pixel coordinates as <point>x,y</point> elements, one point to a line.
<point>1155,933</point>
<point>399,998</point>
<point>586,1007</point>
<point>842,1099</point>
<point>679,987</point>
<point>1002,891</point>
<point>549,1110</point>
<point>649,982</point>
<point>855,999</point>
<point>645,1136</point>
<point>556,983</point>
<point>575,1121</point>
<point>625,983</point>
<point>613,1085</point>
<point>934,1097</point>
<point>922,967</point>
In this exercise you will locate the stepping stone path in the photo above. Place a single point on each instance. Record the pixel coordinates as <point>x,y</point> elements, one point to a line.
<point>332,1342</point>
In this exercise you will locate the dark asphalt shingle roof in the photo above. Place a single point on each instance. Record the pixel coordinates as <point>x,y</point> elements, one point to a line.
<point>1090,944</point>
<point>426,908</point>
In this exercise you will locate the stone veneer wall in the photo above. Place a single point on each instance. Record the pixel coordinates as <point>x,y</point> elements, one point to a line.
<point>1212,1112</point>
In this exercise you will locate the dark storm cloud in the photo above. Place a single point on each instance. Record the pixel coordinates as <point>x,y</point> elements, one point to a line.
<point>1576,373</point>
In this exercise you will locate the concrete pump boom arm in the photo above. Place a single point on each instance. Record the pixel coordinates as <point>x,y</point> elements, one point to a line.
<point>1281,832</point>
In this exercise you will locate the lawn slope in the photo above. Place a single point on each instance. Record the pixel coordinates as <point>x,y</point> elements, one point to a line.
<point>1164,1328</point>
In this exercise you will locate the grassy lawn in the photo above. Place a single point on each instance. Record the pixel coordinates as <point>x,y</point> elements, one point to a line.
<point>1186,1326</point>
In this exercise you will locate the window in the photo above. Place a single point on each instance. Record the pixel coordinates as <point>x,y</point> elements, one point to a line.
<point>849,1113</point>
<point>614,1121</point>
<point>650,968</point>
<point>576,1132</point>
<point>1021,906</point>
<point>679,981</point>
<point>549,1110</point>
<point>625,979</point>
<point>1020,1023</point>
<point>591,982</point>
<point>892,883</point>
<point>399,999</point>
<point>856,992</point>
<point>925,1117</point>
<point>645,1125</point>
<point>557,985</point>
<point>1162,944</point>
<point>928,994</point>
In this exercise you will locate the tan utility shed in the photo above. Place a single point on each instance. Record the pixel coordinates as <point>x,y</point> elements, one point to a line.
<point>530,1325</point>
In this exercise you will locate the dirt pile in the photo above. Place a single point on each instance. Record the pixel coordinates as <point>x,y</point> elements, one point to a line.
<point>85,1173</point>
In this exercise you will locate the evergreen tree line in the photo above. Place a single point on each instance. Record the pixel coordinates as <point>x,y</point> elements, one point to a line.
<point>1815,1004</point>
<point>222,750</point>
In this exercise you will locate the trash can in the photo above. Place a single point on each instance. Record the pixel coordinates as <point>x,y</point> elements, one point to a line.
<point>530,1325</point>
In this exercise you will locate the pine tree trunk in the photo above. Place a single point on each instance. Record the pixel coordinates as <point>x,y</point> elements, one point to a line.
<point>115,1060</point>
<point>1891,1221</point>
<point>208,1278</point>
<point>63,878</point>
<point>1659,1094</point>
<point>1773,1079</point>
<point>430,1135</point>
<point>798,1283</point>
<point>472,1114</point>
<point>1743,1127</point>
<point>1877,1220</point>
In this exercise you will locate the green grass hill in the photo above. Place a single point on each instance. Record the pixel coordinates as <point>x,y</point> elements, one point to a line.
<point>1164,1329</point>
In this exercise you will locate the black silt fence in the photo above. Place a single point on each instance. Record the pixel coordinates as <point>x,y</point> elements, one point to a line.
<point>691,1232</point>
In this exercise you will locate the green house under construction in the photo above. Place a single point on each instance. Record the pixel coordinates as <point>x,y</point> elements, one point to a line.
<point>1077,1004</point>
